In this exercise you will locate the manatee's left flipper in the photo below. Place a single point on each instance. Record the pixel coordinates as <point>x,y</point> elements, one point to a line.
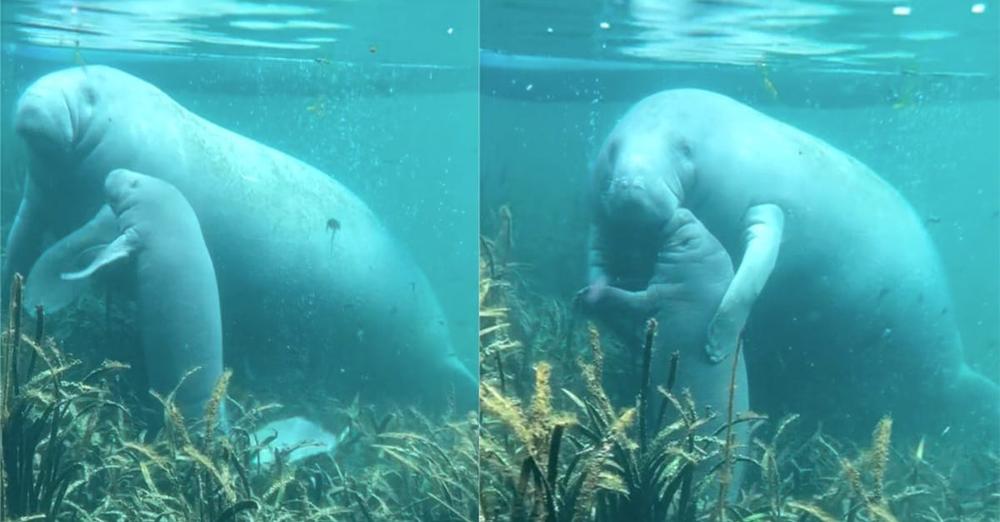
<point>118,249</point>
<point>59,276</point>
<point>762,238</point>
<point>604,300</point>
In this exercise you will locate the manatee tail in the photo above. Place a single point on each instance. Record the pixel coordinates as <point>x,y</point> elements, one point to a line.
<point>465,385</point>
<point>975,406</point>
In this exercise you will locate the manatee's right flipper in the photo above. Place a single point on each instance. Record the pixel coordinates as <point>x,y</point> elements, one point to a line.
<point>596,264</point>
<point>762,237</point>
<point>48,284</point>
<point>297,437</point>
<point>26,239</point>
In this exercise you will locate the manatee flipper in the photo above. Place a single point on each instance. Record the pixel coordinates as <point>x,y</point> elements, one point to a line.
<point>26,240</point>
<point>596,263</point>
<point>47,285</point>
<point>120,248</point>
<point>297,437</point>
<point>764,226</point>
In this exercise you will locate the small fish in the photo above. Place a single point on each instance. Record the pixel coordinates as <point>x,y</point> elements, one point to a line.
<point>373,49</point>
<point>323,61</point>
<point>933,219</point>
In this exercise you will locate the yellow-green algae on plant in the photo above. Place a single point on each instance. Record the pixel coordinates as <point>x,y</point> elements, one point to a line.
<point>73,451</point>
<point>560,444</point>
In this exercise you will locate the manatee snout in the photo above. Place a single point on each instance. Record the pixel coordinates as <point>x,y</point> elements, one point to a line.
<point>634,190</point>
<point>54,115</point>
<point>637,206</point>
<point>42,118</point>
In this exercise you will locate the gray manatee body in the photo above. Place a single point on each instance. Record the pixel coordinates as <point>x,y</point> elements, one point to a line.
<point>838,286</point>
<point>300,260</point>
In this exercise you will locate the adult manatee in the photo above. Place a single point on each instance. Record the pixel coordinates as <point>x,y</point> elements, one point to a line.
<point>842,293</point>
<point>299,258</point>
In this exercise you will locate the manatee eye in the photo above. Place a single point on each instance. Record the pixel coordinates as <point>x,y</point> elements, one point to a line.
<point>613,152</point>
<point>133,183</point>
<point>684,147</point>
<point>89,94</point>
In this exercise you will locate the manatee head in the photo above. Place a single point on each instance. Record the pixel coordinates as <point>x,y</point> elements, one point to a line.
<point>123,187</point>
<point>130,193</point>
<point>56,115</point>
<point>634,182</point>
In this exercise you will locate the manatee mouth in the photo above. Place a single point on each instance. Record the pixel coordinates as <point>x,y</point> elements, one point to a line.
<point>638,200</point>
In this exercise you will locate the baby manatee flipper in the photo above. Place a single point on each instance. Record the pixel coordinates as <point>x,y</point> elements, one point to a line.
<point>47,283</point>
<point>764,226</point>
<point>120,248</point>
